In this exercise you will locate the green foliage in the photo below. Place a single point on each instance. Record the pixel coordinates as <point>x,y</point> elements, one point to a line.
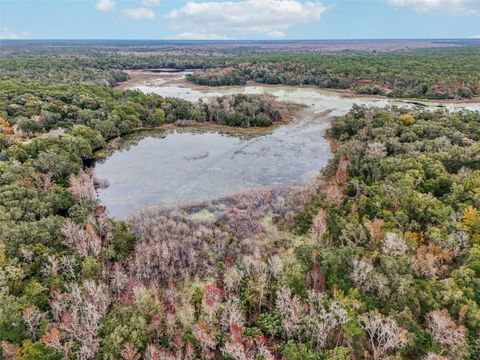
<point>338,353</point>
<point>295,280</point>
<point>29,126</point>
<point>303,222</point>
<point>196,302</point>
<point>406,119</point>
<point>38,351</point>
<point>402,239</point>
<point>409,184</point>
<point>124,325</point>
<point>159,116</point>
<point>94,138</point>
<point>298,351</point>
<point>422,342</point>
<point>123,241</point>
<point>90,267</point>
<point>244,110</point>
<point>423,73</point>
<point>270,324</point>
<point>37,293</point>
<point>474,259</point>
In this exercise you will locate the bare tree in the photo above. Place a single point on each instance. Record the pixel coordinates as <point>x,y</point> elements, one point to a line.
<point>445,331</point>
<point>394,245</point>
<point>84,241</point>
<point>51,266</point>
<point>78,313</point>
<point>292,312</point>
<point>75,237</point>
<point>325,321</point>
<point>82,187</point>
<point>205,337</point>
<point>232,314</point>
<point>360,274</point>
<point>32,317</point>
<point>172,246</point>
<point>235,350</point>
<point>130,352</point>
<point>456,242</point>
<point>383,333</point>
<point>68,265</point>
<point>432,356</point>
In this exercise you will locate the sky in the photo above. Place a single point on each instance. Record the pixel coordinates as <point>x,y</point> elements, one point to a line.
<point>239,19</point>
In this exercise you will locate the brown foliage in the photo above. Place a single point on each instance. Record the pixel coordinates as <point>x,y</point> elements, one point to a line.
<point>77,315</point>
<point>9,351</point>
<point>81,186</point>
<point>244,211</point>
<point>432,261</point>
<point>341,176</point>
<point>172,246</point>
<point>315,277</point>
<point>332,188</point>
<point>320,227</point>
<point>375,229</point>
<point>5,127</point>
<point>130,352</point>
<point>333,193</point>
<point>54,338</point>
<point>240,347</point>
<point>444,330</point>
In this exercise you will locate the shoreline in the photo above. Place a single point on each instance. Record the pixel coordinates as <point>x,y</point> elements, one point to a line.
<point>143,76</point>
<point>123,143</point>
<point>114,144</point>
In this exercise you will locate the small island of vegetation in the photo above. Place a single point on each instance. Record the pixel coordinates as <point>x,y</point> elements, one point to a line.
<point>378,257</point>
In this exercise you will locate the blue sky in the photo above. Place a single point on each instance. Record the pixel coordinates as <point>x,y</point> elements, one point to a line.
<point>238,19</point>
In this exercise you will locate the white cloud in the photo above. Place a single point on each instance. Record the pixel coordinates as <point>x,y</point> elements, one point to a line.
<point>198,36</point>
<point>8,34</point>
<point>139,14</point>
<point>241,18</point>
<point>105,5</point>
<point>475,37</point>
<point>458,7</point>
<point>150,2</point>
<point>276,34</point>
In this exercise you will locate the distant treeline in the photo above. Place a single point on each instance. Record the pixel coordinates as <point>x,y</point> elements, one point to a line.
<point>380,258</point>
<point>425,73</point>
<point>430,74</point>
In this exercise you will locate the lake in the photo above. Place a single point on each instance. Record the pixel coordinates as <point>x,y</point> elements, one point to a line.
<point>185,165</point>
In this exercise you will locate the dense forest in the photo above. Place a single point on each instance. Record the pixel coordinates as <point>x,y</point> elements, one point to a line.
<point>444,73</point>
<point>430,74</point>
<point>378,257</point>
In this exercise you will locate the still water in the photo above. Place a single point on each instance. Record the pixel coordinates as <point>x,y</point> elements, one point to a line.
<point>183,166</point>
<point>188,165</point>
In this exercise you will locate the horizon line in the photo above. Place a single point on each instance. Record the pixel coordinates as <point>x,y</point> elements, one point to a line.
<point>237,40</point>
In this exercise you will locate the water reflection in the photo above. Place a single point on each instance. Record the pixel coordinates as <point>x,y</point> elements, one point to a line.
<point>317,99</point>
<point>183,166</point>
